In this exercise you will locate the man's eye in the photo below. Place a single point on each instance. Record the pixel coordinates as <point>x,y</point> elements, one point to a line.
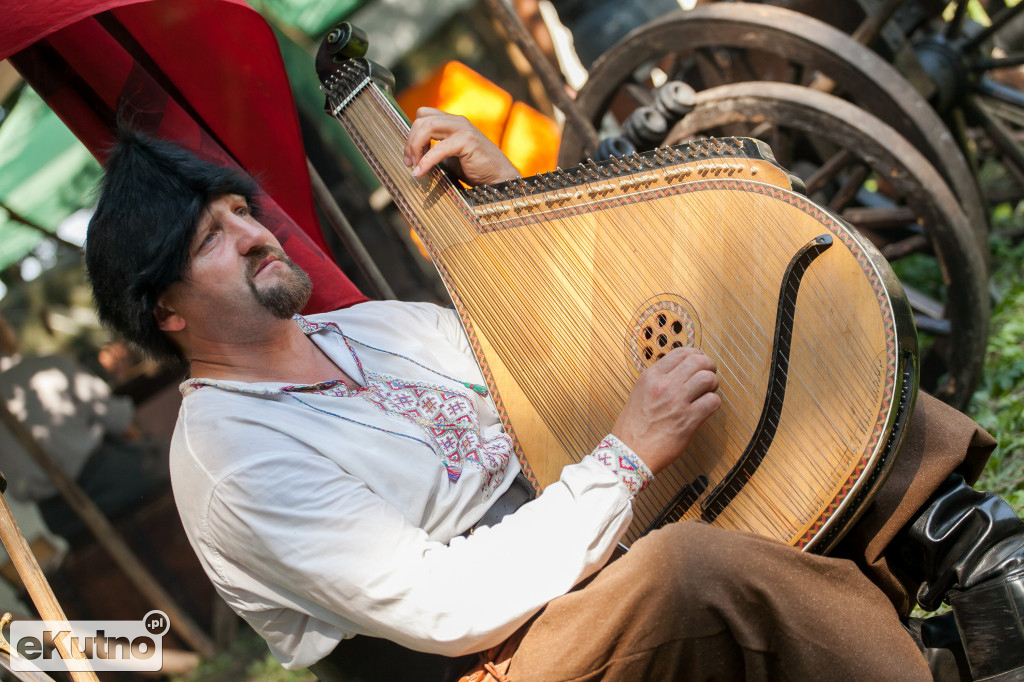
<point>207,238</point>
<point>242,211</point>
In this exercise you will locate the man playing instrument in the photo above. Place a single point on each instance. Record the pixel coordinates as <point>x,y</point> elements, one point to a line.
<point>345,480</point>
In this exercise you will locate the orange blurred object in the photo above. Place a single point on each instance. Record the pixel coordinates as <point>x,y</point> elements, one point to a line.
<point>419,243</point>
<point>530,140</point>
<point>458,89</point>
<point>527,137</point>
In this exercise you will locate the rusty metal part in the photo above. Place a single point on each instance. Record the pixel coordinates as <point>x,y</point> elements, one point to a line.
<point>840,145</point>
<point>809,46</point>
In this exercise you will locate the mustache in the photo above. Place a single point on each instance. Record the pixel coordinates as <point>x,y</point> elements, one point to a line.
<point>256,256</point>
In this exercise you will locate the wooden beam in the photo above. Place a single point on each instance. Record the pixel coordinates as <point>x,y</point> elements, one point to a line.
<point>109,538</point>
<point>35,582</point>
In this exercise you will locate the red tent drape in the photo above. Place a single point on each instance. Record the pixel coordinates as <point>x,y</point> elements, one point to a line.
<point>207,74</point>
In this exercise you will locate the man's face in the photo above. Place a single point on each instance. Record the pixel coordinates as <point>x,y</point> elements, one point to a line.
<point>237,269</point>
<point>286,297</point>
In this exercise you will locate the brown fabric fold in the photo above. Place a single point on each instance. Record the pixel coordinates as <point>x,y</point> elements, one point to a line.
<point>494,663</point>
<point>695,602</point>
<point>939,441</point>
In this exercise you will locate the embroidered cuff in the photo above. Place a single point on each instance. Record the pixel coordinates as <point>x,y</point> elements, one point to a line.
<point>624,463</point>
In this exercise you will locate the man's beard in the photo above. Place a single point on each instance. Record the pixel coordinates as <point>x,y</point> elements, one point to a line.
<point>286,298</point>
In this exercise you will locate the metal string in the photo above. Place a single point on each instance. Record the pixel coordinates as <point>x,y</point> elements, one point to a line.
<point>511,261</point>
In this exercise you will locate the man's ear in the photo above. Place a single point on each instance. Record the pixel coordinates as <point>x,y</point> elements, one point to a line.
<point>166,318</point>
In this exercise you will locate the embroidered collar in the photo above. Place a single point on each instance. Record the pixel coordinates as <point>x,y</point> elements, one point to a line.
<point>310,327</point>
<point>444,419</point>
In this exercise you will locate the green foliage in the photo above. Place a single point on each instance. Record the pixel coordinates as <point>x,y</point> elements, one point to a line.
<point>998,403</point>
<point>247,660</point>
<point>921,271</point>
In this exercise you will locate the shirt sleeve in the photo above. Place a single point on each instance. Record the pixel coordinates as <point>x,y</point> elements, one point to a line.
<point>620,459</point>
<point>332,548</point>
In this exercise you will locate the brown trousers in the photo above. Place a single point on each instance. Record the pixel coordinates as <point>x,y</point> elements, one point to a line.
<point>693,602</point>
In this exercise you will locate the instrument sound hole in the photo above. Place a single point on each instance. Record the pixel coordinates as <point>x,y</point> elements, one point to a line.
<point>672,334</point>
<point>663,323</point>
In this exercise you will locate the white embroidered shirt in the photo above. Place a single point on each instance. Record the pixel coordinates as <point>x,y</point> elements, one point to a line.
<point>321,512</point>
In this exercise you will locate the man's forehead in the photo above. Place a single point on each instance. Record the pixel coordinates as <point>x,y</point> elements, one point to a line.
<point>206,216</point>
<point>226,198</point>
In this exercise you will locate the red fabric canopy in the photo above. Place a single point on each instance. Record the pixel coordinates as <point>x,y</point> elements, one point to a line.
<point>206,74</point>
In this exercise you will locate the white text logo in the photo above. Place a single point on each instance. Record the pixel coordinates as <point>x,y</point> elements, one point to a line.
<point>94,644</point>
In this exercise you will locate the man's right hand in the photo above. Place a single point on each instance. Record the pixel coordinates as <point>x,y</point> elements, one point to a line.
<point>670,400</point>
<point>472,157</point>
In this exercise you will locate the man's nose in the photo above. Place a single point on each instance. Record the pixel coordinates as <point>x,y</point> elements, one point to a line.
<point>249,235</point>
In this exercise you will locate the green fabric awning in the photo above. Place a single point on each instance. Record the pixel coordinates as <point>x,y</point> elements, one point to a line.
<point>312,17</point>
<point>46,174</point>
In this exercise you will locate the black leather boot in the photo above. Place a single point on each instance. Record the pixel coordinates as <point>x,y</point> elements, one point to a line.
<point>939,641</point>
<point>966,547</point>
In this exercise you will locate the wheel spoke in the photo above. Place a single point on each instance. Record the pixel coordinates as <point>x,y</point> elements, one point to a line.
<point>880,218</point>
<point>747,71</point>
<point>638,93</point>
<point>872,25</point>
<point>956,24</point>
<point>782,146</point>
<point>917,243</point>
<point>926,308</point>
<point>712,73</point>
<point>794,73</point>
<point>828,171</point>
<point>1009,60</point>
<point>998,21</point>
<point>848,190</point>
<point>999,134</point>
<point>992,90</point>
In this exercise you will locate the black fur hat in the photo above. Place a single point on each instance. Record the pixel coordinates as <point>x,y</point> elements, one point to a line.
<point>139,236</point>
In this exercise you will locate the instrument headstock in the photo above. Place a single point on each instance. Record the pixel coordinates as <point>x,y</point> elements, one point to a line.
<point>342,67</point>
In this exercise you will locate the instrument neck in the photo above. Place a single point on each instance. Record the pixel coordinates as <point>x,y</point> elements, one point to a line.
<point>434,204</point>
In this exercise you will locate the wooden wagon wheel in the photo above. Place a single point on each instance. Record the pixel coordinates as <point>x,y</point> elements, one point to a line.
<point>979,90</point>
<point>969,71</point>
<point>728,42</point>
<point>864,170</point>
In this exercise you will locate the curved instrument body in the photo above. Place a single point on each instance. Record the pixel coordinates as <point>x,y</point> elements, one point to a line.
<point>571,284</point>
